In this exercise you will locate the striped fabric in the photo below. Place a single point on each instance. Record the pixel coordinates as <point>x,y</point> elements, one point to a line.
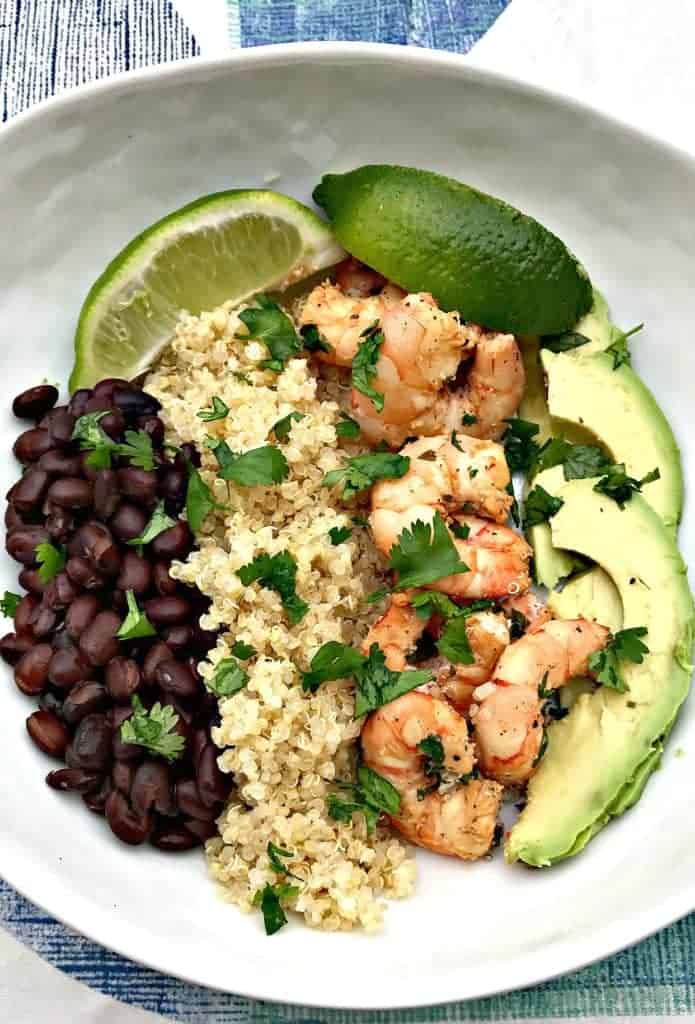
<point>50,45</point>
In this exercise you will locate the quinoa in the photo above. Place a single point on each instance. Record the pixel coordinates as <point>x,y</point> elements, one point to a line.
<point>283,746</point>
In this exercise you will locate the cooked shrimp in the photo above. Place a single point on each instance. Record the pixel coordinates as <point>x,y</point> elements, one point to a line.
<point>507,712</point>
<point>488,635</point>
<point>449,476</point>
<point>496,556</point>
<point>461,822</point>
<point>341,320</point>
<point>531,607</point>
<point>396,632</point>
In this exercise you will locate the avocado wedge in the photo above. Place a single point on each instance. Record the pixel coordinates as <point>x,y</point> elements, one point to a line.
<point>600,756</point>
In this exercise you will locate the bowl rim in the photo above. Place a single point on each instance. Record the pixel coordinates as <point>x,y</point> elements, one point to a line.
<point>528,970</point>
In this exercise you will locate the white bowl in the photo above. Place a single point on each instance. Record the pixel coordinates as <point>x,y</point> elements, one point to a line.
<point>79,176</point>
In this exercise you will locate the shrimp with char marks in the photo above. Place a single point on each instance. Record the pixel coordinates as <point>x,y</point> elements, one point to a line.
<point>459,822</point>
<point>507,711</point>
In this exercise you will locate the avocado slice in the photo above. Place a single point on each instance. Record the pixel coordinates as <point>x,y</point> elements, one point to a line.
<point>551,564</point>
<point>591,595</point>
<point>621,413</point>
<point>600,756</point>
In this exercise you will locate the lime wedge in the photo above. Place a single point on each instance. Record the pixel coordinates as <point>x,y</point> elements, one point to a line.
<point>230,245</point>
<point>473,252</point>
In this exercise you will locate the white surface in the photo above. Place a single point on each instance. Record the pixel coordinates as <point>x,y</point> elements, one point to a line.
<point>590,180</point>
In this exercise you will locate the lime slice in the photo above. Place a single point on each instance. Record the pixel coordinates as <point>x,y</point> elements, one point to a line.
<point>230,245</point>
<point>474,253</point>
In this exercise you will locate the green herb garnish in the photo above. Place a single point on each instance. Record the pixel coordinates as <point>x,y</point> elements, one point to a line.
<point>9,603</point>
<point>268,323</point>
<point>364,365</point>
<point>626,645</point>
<point>347,427</point>
<point>270,900</point>
<point>137,447</point>
<point>274,854</point>
<point>339,534</point>
<point>159,522</point>
<point>540,506</point>
<point>433,750</point>
<point>564,342</point>
<point>519,445</point>
<point>313,342</point>
<point>616,484</point>
<point>199,499</point>
<point>373,795</point>
<point>51,559</point>
<point>259,466</point>
<point>136,624</point>
<point>218,411</point>
<point>468,419</point>
<point>278,573</point>
<point>242,650</point>
<point>424,553</point>
<point>282,428</point>
<point>332,661</point>
<point>228,678</point>
<point>359,473</point>
<point>154,730</point>
<point>454,644</point>
<point>619,348</point>
<point>376,685</point>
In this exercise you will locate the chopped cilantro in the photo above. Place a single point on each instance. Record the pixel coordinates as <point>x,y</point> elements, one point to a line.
<point>154,730</point>
<point>619,348</point>
<point>136,624</point>
<point>278,573</point>
<point>433,750</point>
<point>269,324</point>
<point>517,624</point>
<point>9,603</point>
<point>519,446</point>
<point>468,419</point>
<point>616,484</point>
<point>51,559</point>
<point>626,645</point>
<point>347,427</point>
<point>564,342</point>
<point>282,428</point>
<point>339,534</point>
<point>427,602</point>
<point>332,661</point>
<point>554,708</point>
<point>218,411</point>
<point>274,854</point>
<point>540,506</point>
<point>553,453</point>
<point>460,530</point>
<point>584,461</point>
<point>270,900</point>
<point>313,342</point>
<point>242,650</point>
<point>424,553</point>
<point>541,750</point>
<point>360,472</point>
<point>454,643</point>
<point>376,685</point>
<point>514,507</point>
<point>228,678</point>
<point>137,447</point>
<point>265,465</point>
<point>373,795</point>
<point>199,499</point>
<point>364,365</point>
<point>360,521</point>
<point>159,522</point>
<point>456,443</point>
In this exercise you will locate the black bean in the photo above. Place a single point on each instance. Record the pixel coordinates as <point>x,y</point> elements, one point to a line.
<point>173,489</point>
<point>138,485</point>
<point>98,403</point>
<point>123,751</point>
<point>52,700</point>
<point>67,667</point>
<point>95,542</point>
<point>152,789</point>
<point>158,653</point>
<point>176,542</point>
<point>135,574</point>
<point>122,678</point>
<point>106,496</point>
<point>113,424</point>
<point>13,646</point>
<point>174,839</point>
<point>25,613</point>
<point>167,611</point>
<point>60,592</point>
<point>34,403</point>
<point>31,671</point>
<point>154,428</point>
<point>48,733</point>
<point>188,453</point>
<point>163,583</point>
<point>188,799</point>
<point>203,639</point>
<point>21,544</point>
<point>80,614</point>
<point>199,741</point>
<point>84,698</point>
<point>44,623</point>
<point>58,463</point>
<point>122,775</point>
<point>202,829</point>
<point>123,821</point>
<point>13,519</point>
<point>83,574</point>
<point>96,801</point>
<point>79,401</point>
<point>212,785</point>
<point>60,424</point>
<point>98,641</point>
<point>32,444</point>
<point>74,780</point>
<point>176,678</point>
<point>30,580</point>
<point>71,492</point>
<point>29,491</point>
<point>91,744</point>
<point>105,387</point>
<point>128,521</point>
<point>60,523</point>
<point>134,403</point>
<point>89,472</point>
<point>179,638</point>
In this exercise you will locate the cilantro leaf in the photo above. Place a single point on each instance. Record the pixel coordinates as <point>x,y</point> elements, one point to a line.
<point>377,790</point>
<point>154,729</point>
<point>377,595</point>
<point>364,365</point>
<point>468,419</point>
<point>619,348</point>
<point>360,521</point>
<point>159,522</point>
<point>137,448</point>
<point>332,661</point>
<point>51,560</point>
<point>553,453</point>
<point>376,685</point>
<point>218,411</point>
<point>228,678</point>
<point>519,446</point>
<point>270,900</point>
<point>564,342</point>
<point>424,553</point>
<point>584,461</point>
<point>269,324</point>
<point>242,650</point>
<point>360,472</point>
<point>460,530</point>
<point>347,427</point>
<point>626,645</point>
<point>339,534</point>
<point>278,573</point>
<point>93,439</point>
<point>427,602</point>
<point>454,643</point>
<point>343,810</point>
<point>199,499</point>
<point>265,465</point>
<point>274,854</point>
<point>313,342</point>
<point>616,484</point>
<point>9,603</point>
<point>136,624</point>
<point>282,428</point>
<point>540,506</point>
<point>433,749</point>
